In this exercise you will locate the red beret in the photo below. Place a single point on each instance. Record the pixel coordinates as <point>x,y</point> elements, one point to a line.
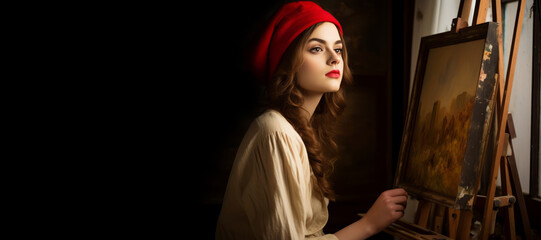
<point>286,24</point>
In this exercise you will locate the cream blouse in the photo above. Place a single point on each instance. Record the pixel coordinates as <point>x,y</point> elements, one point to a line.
<point>270,193</point>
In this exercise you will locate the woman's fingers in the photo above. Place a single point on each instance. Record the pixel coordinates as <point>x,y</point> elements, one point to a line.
<point>399,208</point>
<point>398,201</point>
<point>397,192</point>
<point>401,200</point>
<point>395,206</point>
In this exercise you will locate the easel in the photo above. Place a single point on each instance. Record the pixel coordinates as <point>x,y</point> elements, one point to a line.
<point>457,223</point>
<point>511,191</point>
<point>503,96</point>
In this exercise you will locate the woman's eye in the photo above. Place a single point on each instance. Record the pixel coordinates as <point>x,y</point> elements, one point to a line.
<point>338,50</point>
<point>316,49</point>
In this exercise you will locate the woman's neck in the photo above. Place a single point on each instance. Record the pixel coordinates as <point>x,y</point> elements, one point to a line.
<point>311,100</point>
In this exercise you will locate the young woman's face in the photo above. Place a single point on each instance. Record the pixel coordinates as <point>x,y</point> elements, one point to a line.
<point>322,68</point>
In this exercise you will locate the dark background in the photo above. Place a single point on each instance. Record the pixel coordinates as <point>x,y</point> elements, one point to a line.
<point>370,130</point>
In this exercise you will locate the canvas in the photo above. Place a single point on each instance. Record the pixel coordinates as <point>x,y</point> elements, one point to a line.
<point>449,116</point>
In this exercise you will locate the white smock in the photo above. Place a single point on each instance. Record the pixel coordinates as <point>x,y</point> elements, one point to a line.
<point>270,192</point>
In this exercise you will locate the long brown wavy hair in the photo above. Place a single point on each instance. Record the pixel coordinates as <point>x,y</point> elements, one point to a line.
<point>285,95</point>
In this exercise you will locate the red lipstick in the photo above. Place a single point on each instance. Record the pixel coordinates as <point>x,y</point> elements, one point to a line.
<point>333,74</point>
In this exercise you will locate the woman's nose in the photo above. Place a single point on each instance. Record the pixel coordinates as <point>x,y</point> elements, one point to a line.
<point>334,58</point>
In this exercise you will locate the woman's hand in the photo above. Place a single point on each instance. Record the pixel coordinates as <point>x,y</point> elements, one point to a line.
<point>388,208</point>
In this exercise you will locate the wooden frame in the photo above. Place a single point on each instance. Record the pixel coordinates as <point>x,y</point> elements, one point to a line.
<point>449,116</point>
<point>536,89</point>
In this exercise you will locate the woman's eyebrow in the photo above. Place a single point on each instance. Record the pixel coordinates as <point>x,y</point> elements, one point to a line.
<point>323,41</point>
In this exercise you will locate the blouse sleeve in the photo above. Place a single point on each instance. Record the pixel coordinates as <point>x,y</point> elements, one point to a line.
<point>277,193</point>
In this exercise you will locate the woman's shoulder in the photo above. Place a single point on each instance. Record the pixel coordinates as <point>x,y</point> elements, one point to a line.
<point>271,128</point>
<point>272,122</point>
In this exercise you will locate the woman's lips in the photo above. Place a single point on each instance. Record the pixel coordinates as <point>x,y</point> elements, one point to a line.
<point>333,74</point>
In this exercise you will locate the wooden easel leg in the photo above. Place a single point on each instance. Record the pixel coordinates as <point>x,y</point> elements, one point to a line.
<point>453,217</point>
<point>464,225</point>
<point>480,14</point>
<point>461,20</point>
<point>423,210</point>
<point>517,189</point>
<point>438,218</point>
<point>497,17</point>
<point>493,221</point>
<point>509,211</point>
<point>503,118</point>
<point>464,10</point>
<point>491,193</point>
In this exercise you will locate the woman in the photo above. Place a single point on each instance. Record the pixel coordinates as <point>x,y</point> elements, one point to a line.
<point>278,187</point>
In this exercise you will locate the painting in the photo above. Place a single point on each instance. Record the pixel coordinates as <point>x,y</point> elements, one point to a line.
<point>449,116</point>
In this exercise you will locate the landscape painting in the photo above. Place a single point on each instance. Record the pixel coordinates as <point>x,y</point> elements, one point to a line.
<point>449,116</point>
<point>444,116</point>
